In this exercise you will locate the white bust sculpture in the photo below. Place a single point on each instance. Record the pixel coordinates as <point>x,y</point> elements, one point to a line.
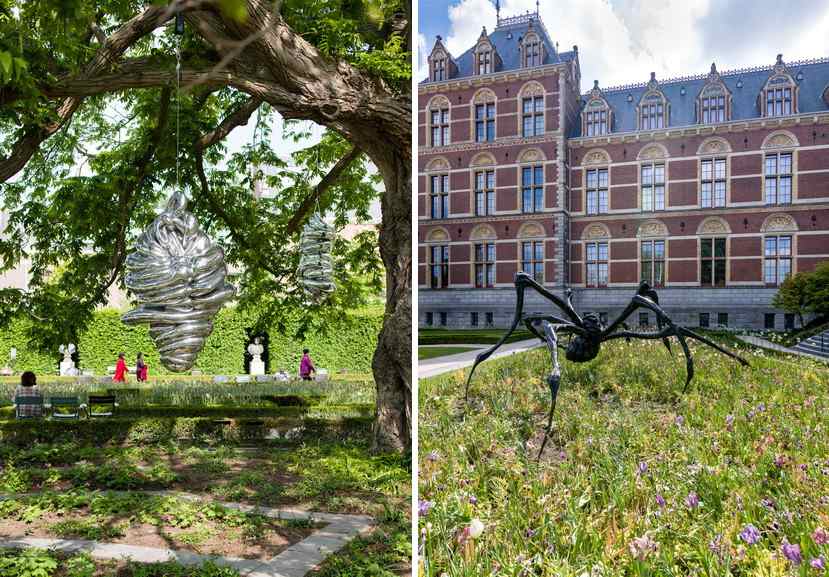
<point>67,365</point>
<point>9,368</point>
<point>257,365</point>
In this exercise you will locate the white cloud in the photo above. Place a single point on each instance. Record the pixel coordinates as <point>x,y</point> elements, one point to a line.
<point>465,21</point>
<point>423,50</point>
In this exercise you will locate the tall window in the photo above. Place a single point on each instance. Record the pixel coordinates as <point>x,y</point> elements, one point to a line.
<point>485,122</point>
<point>777,259</point>
<point>485,265</point>
<point>778,101</point>
<point>532,188</point>
<point>533,116</point>
<point>713,182</point>
<point>596,253</point>
<point>651,115</point>
<point>653,262</point>
<point>713,108</point>
<point>473,319</point>
<point>653,187</point>
<point>532,53</point>
<point>484,62</point>
<point>440,195</point>
<point>484,192</point>
<point>597,191</point>
<point>440,127</point>
<point>532,259</point>
<point>440,266</point>
<point>712,261</point>
<point>439,69</point>
<point>596,122</point>
<point>779,178</point>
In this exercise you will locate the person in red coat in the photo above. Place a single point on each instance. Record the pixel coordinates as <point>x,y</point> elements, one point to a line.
<point>120,375</point>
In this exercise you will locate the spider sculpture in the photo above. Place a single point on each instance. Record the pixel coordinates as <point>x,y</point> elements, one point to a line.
<point>587,333</point>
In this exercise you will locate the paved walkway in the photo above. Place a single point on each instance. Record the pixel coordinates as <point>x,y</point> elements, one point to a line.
<point>763,343</point>
<point>439,365</point>
<point>295,561</point>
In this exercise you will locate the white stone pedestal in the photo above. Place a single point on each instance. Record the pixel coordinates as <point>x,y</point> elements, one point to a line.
<point>257,366</point>
<point>67,368</point>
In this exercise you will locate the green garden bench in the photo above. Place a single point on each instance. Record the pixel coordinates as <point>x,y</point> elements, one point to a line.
<point>96,402</point>
<point>33,405</point>
<point>65,408</point>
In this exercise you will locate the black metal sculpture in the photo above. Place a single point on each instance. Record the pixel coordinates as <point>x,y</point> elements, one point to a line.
<point>588,333</point>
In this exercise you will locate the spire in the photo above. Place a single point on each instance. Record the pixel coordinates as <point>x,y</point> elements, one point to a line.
<point>713,68</point>
<point>537,9</point>
<point>498,10</point>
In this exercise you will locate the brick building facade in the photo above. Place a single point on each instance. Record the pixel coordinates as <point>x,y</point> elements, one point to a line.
<point>711,187</point>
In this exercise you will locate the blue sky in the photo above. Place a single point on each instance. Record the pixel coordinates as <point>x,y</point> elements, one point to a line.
<point>622,41</point>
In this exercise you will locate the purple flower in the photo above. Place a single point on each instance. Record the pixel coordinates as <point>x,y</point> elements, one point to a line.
<point>780,461</point>
<point>424,507</point>
<point>750,535</point>
<point>820,536</point>
<point>792,552</point>
<point>716,545</point>
<point>433,456</point>
<point>660,500</point>
<point>729,422</point>
<point>692,500</point>
<point>473,500</point>
<point>818,563</point>
<point>643,467</point>
<point>530,533</point>
<point>679,420</point>
<point>768,503</point>
<point>643,546</point>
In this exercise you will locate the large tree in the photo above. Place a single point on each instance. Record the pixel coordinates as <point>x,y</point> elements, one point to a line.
<point>94,84</point>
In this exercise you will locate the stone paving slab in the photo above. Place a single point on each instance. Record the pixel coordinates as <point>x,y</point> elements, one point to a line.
<point>295,561</point>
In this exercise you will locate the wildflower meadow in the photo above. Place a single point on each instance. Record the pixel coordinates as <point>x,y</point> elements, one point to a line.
<point>730,479</point>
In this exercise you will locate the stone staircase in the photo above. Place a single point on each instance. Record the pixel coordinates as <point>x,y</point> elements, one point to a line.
<point>815,345</point>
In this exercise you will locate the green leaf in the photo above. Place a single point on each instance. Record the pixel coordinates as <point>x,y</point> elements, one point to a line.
<point>236,9</point>
<point>6,63</point>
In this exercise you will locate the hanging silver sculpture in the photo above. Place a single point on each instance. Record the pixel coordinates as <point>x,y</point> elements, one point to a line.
<point>178,276</point>
<point>315,270</point>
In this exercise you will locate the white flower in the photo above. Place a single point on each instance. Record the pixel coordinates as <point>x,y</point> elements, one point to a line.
<point>476,528</point>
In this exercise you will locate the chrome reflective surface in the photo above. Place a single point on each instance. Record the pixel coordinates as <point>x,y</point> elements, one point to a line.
<point>177,274</point>
<point>315,271</point>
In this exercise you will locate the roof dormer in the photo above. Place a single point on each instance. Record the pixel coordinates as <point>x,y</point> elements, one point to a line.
<point>713,100</point>
<point>441,64</point>
<point>486,58</point>
<point>779,94</point>
<point>596,115</point>
<point>653,110</point>
<point>532,48</point>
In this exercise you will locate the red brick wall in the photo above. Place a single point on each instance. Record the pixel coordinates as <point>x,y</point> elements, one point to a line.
<point>746,246</point>
<point>744,270</point>
<point>682,248</point>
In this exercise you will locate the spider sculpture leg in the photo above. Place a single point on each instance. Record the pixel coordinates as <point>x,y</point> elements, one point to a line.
<point>522,282</point>
<point>553,380</point>
<point>671,330</point>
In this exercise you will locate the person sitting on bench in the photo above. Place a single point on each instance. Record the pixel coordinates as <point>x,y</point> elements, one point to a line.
<point>28,388</point>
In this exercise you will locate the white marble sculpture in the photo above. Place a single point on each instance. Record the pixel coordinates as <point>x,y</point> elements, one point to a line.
<point>9,368</point>
<point>257,365</point>
<point>67,365</point>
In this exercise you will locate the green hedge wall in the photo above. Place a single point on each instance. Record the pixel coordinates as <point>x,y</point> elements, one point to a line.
<point>347,345</point>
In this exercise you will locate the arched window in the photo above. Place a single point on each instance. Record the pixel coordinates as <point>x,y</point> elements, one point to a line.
<point>483,169</point>
<point>653,107</point>
<point>714,100</point>
<point>596,238</point>
<point>483,245</point>
<point>438,113</point>
<point>532,109</point>
<point>595,117</point>
<point>531,239</point>
<point>652,235</point>
<point>484,117</point>
<point>437,173</point>
<point>438,258</point>
<point>531,171</point>
<point>532,49</point>
<point>486,57</point>
<point>779,95</point>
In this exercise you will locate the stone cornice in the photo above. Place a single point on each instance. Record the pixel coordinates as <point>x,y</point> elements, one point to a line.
<point>523,217</point>
<point>488,79</point>
<point>549,137</point>
<point>737,126</point>
<point>658,215</point>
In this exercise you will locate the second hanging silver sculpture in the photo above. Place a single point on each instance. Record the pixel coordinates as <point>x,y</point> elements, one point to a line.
<point>315,270</point>
<point>178,276</point>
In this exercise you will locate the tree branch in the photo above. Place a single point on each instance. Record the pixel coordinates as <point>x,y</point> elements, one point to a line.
<point>322,186</point>
<point>237,118</point>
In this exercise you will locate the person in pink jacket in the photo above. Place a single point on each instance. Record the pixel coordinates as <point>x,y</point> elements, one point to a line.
<point>306,366</point>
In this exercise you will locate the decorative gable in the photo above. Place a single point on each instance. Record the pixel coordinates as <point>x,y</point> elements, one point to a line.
<point>441,64</point>
<point>486,58</point>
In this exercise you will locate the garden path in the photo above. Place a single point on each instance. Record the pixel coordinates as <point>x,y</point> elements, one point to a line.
<point>763,343</point>
<point>439,365</point>
<point>294,561</point>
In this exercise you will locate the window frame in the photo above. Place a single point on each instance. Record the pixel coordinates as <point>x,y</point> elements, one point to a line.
<point>714,260</point>
<point>653,186</point>
<point>602,202</point>
<point>713,180</point>
<point>535,188</point>
<point>487,193</point>
<point>484,61</point>
<point>439,69</point>
<point>485,249</point>
<point>778,177</point>
<point>779,99</point>
<point>778,258</point>
<point>442,129</point>
<point>653,261</point>
<point>442,266</point>
<point>536,260</point>
<point>535,116</point>
<point>719,107</point>
<point>532,52</point>
<point>442,195</point>
<point>598,262</point>
<point>485,122</point>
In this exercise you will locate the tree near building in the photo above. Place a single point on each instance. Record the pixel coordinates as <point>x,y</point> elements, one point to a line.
<point>817,290</point>
<point>792,296</point>
<point>93,84</point>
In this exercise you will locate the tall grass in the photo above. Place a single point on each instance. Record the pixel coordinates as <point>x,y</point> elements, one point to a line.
<point>637,479</point>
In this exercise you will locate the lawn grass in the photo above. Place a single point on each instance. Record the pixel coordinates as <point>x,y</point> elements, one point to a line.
<point>434,352</point>
<point>467,336</point>
<point>638,479</point>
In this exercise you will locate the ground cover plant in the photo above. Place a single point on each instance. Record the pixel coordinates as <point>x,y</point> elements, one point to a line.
<point>468,336</point>
<point>730,479</point>
<point>434,352</point>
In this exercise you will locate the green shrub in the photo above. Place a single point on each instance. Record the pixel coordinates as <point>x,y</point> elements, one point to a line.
<point>347,345</point>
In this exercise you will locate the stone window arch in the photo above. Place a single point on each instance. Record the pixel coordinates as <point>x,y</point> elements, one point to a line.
<point>531,99</point>
<point>653,110</point>
<point>780,139</point>
<point>596,116</point>
<point>438,117</point>
<point>438,235</point>
<point>594,231</point>
<point>714,145</point>
<point>531,230</point>
<point>779,222</point>
<point>714,225</point>
<point>779,94</point>
<point>483,232</point>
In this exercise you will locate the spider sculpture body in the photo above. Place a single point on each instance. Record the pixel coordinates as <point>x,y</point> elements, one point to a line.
<point>587,333</point>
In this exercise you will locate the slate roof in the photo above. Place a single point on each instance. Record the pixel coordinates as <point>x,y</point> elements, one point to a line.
<point>506,38</point>
<point>813,74</point>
